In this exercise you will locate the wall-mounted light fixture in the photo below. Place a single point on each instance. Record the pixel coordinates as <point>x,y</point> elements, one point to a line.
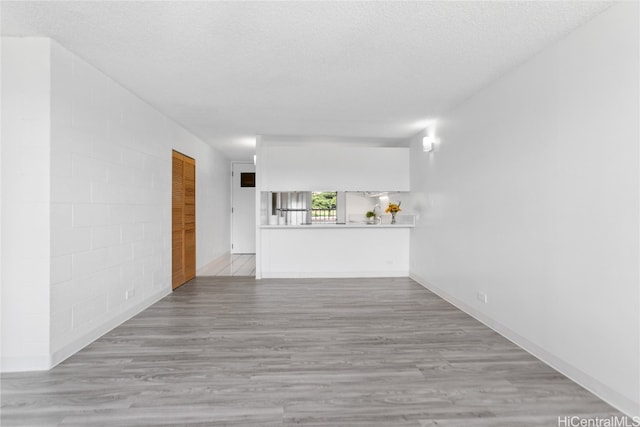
<point>254,159</point>
<point>427,143</point>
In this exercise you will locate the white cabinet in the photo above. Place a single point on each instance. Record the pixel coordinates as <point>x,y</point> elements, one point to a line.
<point>316,168</point>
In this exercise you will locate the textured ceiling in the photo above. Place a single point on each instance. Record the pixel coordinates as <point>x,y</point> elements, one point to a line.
<point>230,70</point>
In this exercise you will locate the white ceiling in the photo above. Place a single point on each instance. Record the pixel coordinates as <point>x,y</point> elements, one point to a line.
<point>228,71</point>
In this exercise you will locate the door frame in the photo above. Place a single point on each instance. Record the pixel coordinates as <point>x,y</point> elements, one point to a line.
<point>234,162</point>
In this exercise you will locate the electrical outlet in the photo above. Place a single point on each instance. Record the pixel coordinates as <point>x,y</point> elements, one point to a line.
<point>130,293</point>
<point>482,297</point>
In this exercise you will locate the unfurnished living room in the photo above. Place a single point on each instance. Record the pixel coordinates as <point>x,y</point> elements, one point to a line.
<point>320,213</point>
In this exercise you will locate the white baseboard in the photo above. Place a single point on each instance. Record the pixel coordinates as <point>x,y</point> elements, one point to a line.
<point>330,275</point>
<point>604,392</point>
<point>79,343</point>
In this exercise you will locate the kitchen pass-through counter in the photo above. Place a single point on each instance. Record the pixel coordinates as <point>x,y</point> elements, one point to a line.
<point>338,226</point>
<point>335,250</point>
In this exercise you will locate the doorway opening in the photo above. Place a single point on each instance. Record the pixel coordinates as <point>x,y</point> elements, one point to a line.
<point>243,209</point>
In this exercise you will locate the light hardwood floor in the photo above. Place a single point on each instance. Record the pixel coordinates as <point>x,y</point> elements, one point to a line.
<point>233,351</point>
<point>231,265</point>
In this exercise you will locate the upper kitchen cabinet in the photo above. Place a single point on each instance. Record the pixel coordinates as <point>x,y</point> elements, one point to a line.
<point>316,168</point>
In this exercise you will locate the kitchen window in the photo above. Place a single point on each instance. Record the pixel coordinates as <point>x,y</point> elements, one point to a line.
<point>324,207</point>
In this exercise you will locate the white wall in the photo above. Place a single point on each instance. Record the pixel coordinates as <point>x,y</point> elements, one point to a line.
<point>110,193</point>
<point>532,198</point>
<point>25,203</point>
<point>213,195</point>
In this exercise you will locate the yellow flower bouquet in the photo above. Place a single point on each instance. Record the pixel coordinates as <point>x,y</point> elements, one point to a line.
<point>393,209</point>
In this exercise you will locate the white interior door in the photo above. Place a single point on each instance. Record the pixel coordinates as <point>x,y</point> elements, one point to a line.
<point>243,213</point>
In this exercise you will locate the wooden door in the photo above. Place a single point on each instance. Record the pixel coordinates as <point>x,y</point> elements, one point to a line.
<point>183,218</point>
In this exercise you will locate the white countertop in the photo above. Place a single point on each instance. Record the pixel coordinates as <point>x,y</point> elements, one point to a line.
<point>338,226</point>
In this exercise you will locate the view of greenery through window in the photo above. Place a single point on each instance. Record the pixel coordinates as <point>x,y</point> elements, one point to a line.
<point>323,206</point>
